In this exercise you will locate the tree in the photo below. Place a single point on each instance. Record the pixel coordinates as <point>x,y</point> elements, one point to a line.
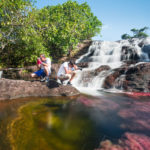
<point>125,36</point>
<point>25,31</point>
<point>20,43</point>
<point>12,18</point>
<point>64,26</point>
<point>137,33</point>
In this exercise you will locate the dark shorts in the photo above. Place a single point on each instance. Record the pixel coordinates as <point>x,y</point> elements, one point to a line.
<point>40,73</point>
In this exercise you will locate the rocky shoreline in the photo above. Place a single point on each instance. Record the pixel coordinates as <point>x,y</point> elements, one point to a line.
<point>132,76</point>
<point>12,89</point>
<point>17,83</point>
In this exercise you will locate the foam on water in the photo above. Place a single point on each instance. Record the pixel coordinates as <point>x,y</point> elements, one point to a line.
<point>106,53</point>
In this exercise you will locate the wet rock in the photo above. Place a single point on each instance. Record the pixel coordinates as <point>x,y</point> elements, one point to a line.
<point>88,75</point>
<point>110,79</point>
<point>129,53</point>
<point>101,68</point>
<point>141,44</point>
<point>83,65</point>
<point>133,78</point>
<point>146,49</point>
<point>11,89</point>
<point>138,75</point>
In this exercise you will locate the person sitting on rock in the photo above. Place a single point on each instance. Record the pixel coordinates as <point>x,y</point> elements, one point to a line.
<point>44,65</point>
<point>67,71</point>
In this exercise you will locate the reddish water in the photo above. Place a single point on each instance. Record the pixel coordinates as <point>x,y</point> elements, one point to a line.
<point>117,121</point>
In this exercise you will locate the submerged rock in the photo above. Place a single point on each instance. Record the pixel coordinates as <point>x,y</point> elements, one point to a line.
<point>11,89</point>
<point>127,117</point>
<point>130,141</point>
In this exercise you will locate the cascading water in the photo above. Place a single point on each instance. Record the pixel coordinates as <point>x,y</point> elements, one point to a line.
<point>112,54</point>
<point>1,72</point>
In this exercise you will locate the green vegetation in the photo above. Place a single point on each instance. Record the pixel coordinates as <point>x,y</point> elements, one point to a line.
<point>25,31</point>
<point>137,33</point>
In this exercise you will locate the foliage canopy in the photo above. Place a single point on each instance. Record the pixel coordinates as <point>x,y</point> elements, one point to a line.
<point>25,31</point>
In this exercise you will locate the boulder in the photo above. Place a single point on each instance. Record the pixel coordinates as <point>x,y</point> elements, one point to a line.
<point>12,89</point>
<point>132,78</point>
<point>111,78</point>
<point>138,78</point>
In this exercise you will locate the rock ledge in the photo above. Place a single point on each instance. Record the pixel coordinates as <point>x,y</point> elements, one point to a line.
<point>12,89</point>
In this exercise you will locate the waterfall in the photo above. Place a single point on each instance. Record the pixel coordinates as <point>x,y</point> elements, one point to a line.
<point>1,72</point>
<point>102,53</point>
<point>112,54</point>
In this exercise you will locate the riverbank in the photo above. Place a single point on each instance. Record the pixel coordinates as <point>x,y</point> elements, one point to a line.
<point>12,89</point>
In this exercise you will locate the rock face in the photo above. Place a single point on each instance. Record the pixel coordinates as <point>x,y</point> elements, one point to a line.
<point>112,77</point>
<point>133,78</point>
<point>138,78</point>
<point>11,89</point>
<point>146,49</point>
<point>129,53</point>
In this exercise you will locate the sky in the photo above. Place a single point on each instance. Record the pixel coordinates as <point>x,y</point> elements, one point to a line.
<point>117,16</point>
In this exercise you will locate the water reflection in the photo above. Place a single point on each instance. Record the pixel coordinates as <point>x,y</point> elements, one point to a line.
<point>79,123</point>
<point>51,124</point>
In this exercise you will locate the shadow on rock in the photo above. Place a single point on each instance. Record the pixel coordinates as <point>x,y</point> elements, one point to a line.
<point>53,84</point>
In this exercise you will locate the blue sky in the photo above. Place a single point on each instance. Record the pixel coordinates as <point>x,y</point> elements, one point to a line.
<point>117,16</point>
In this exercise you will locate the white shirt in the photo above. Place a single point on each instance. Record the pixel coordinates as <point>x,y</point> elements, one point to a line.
<point>48,62</point>
<point>61,70</point>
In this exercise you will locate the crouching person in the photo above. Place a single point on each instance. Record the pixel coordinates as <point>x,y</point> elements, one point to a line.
<point>67,71</point>
<point>44,66</point>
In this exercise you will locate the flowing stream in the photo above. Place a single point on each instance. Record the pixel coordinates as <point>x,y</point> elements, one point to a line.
<point>112,54</point>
